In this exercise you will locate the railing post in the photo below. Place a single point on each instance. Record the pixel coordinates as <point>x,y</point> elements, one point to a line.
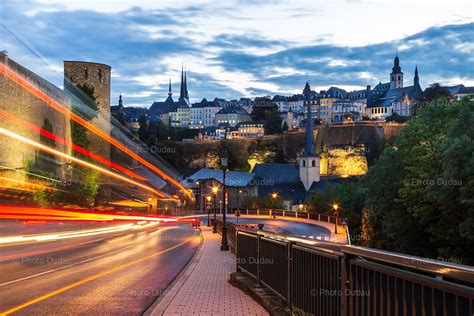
<point>319,217</point>
<point>289,278</point>
<point>258,260</point>
<point>258,211</point>
<point>271,212</point>
<point>283,213</point>
<point>237,249</point>
<point>345,279</point>
<point>247,211</point>
<point>307,213</point>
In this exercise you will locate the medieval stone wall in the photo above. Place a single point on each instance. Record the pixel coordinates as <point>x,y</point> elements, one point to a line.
<point>25,106</point>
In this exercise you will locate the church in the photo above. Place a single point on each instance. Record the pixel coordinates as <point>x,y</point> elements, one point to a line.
<point>393,97</point>
<point>176,113</point>
<point>294,182</point>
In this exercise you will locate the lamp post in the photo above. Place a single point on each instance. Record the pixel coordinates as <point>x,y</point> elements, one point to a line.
<point>224,161</point>
<point>208,206</point>
<point>238,200</point>
<point>198,196</point>
<point>214,191</point>
<point>336,214</point>
<point>274,197</point>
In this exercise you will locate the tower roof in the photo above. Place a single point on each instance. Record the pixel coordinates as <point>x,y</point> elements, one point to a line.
<point>309,148</point>
<point>396,65</point>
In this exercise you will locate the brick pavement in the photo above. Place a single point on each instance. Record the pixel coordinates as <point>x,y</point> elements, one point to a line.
<point>203,287</point>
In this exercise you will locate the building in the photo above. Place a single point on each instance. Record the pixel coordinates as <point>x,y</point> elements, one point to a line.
<point>326,102</point>
<point>289,104</point>
<point>460,91</point>
<point>393,97</point>
<point>232,115</point>
<point>250,129</point>
<point>239,185</point>
<point>203,114</point>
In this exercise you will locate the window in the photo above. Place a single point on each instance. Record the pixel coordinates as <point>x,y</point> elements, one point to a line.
<point>313,163</point>
<point>100,75</point>
<point>303,163</point>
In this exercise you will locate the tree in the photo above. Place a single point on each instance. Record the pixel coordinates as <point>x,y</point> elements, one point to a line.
<point>421,188</point>
<point>272,121</point>
<point>433,92</point>
<point>143,133</point>
<point>285,127</point>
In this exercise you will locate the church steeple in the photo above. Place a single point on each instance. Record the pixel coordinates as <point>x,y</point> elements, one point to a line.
<point>186,95</point>
<point>396,77</point>
<point>309,149</point>
<point>169,89</point>
<point>120,101</point>
<point>309,169</point>
<point>416,80</point>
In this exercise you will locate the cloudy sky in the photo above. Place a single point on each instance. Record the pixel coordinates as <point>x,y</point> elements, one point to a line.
<point>242,48</point>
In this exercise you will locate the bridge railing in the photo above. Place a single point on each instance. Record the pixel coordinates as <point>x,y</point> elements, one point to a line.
<point>323,278</point>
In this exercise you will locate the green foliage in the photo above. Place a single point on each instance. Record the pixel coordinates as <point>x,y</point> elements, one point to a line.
<point>263,202</point>
<point>434,92</point>
<point>90,100</point>
<point>272,122</point>
<point>143,133</point>
<point>396,118</point>
<point>421,188</point>
<point>285,127</point>
<point>89,187</point>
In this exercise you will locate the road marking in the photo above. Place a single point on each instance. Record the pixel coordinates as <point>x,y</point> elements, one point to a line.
<point>92,278</point>
<point>74,264</point>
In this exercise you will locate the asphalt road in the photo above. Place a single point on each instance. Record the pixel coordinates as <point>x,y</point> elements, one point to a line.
<point>285,226</point>
<point>117,274</point>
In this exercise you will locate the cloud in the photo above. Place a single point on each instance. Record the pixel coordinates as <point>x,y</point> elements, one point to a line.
<point>229,50</point>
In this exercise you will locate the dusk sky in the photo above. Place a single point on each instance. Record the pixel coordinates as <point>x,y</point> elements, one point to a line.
<point>234,49</point>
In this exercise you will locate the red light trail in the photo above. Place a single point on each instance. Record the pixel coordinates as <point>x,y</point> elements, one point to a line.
<point>6,71</point>
<point>64,142</point>
<point>78,161</point>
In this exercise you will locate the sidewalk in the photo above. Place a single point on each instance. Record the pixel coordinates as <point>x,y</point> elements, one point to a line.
<point>202,288</point>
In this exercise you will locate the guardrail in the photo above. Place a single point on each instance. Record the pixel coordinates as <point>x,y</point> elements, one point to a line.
<point>294,214</point>
<point>323,278</point>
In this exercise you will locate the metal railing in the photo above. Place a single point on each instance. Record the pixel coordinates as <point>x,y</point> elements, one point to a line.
<point>323,278</point>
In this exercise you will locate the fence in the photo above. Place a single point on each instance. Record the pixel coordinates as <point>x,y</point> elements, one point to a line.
<point>322,278</point>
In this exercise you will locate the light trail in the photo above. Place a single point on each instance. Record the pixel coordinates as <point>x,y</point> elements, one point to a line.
<point>35,213</point>
<point>78,161</point>
<point>64,142</point>
<point>94,277</point>
<point>9,73</point>
<point>29,184</point>
<point>16,240</point>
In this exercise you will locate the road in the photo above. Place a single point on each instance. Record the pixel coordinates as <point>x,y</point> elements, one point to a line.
<point>286,226</point>
<point>121,273</point>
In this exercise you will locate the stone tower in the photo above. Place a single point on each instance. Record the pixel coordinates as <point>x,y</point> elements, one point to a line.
<point>97,76</point>
<point>396,77</point>
<point>309,161</point>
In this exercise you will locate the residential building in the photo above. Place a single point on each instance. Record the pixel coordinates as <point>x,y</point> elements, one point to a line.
<point>232,115</point>
<point>250,129</point>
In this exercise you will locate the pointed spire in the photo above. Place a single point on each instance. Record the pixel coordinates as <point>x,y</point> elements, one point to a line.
<point>120,100</point>
<point>416,80</point>
<point>181,90</point>
<point>309,149</point>
<point>186,95</point>
<point>169,88</point>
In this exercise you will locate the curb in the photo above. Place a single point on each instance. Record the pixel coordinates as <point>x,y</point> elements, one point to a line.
<point>161,303</point>
<point>263,296</point>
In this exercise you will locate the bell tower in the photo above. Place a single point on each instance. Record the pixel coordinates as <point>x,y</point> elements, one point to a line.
<point>396,77</point>
<point>309,161</point>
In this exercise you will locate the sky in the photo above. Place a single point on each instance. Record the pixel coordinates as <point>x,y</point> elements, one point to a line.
<point>242,48</point>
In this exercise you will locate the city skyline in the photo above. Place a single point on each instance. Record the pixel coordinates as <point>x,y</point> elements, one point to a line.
<point>242,52</point>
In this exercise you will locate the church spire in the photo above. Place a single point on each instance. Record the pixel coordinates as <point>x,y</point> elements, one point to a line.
<point>309,149</point>
<point>169,88</point>
<point>181,90</point>
<point>186,95</point>
<point>120,101</point>
<point>416,80</point>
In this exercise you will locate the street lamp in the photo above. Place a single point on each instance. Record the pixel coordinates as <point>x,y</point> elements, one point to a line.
<point>208,206</point>
<point>224,161</point>
<point>335,207</point>
<point>214,191</point>
<point>238,200</point>
<point>274,197</point>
